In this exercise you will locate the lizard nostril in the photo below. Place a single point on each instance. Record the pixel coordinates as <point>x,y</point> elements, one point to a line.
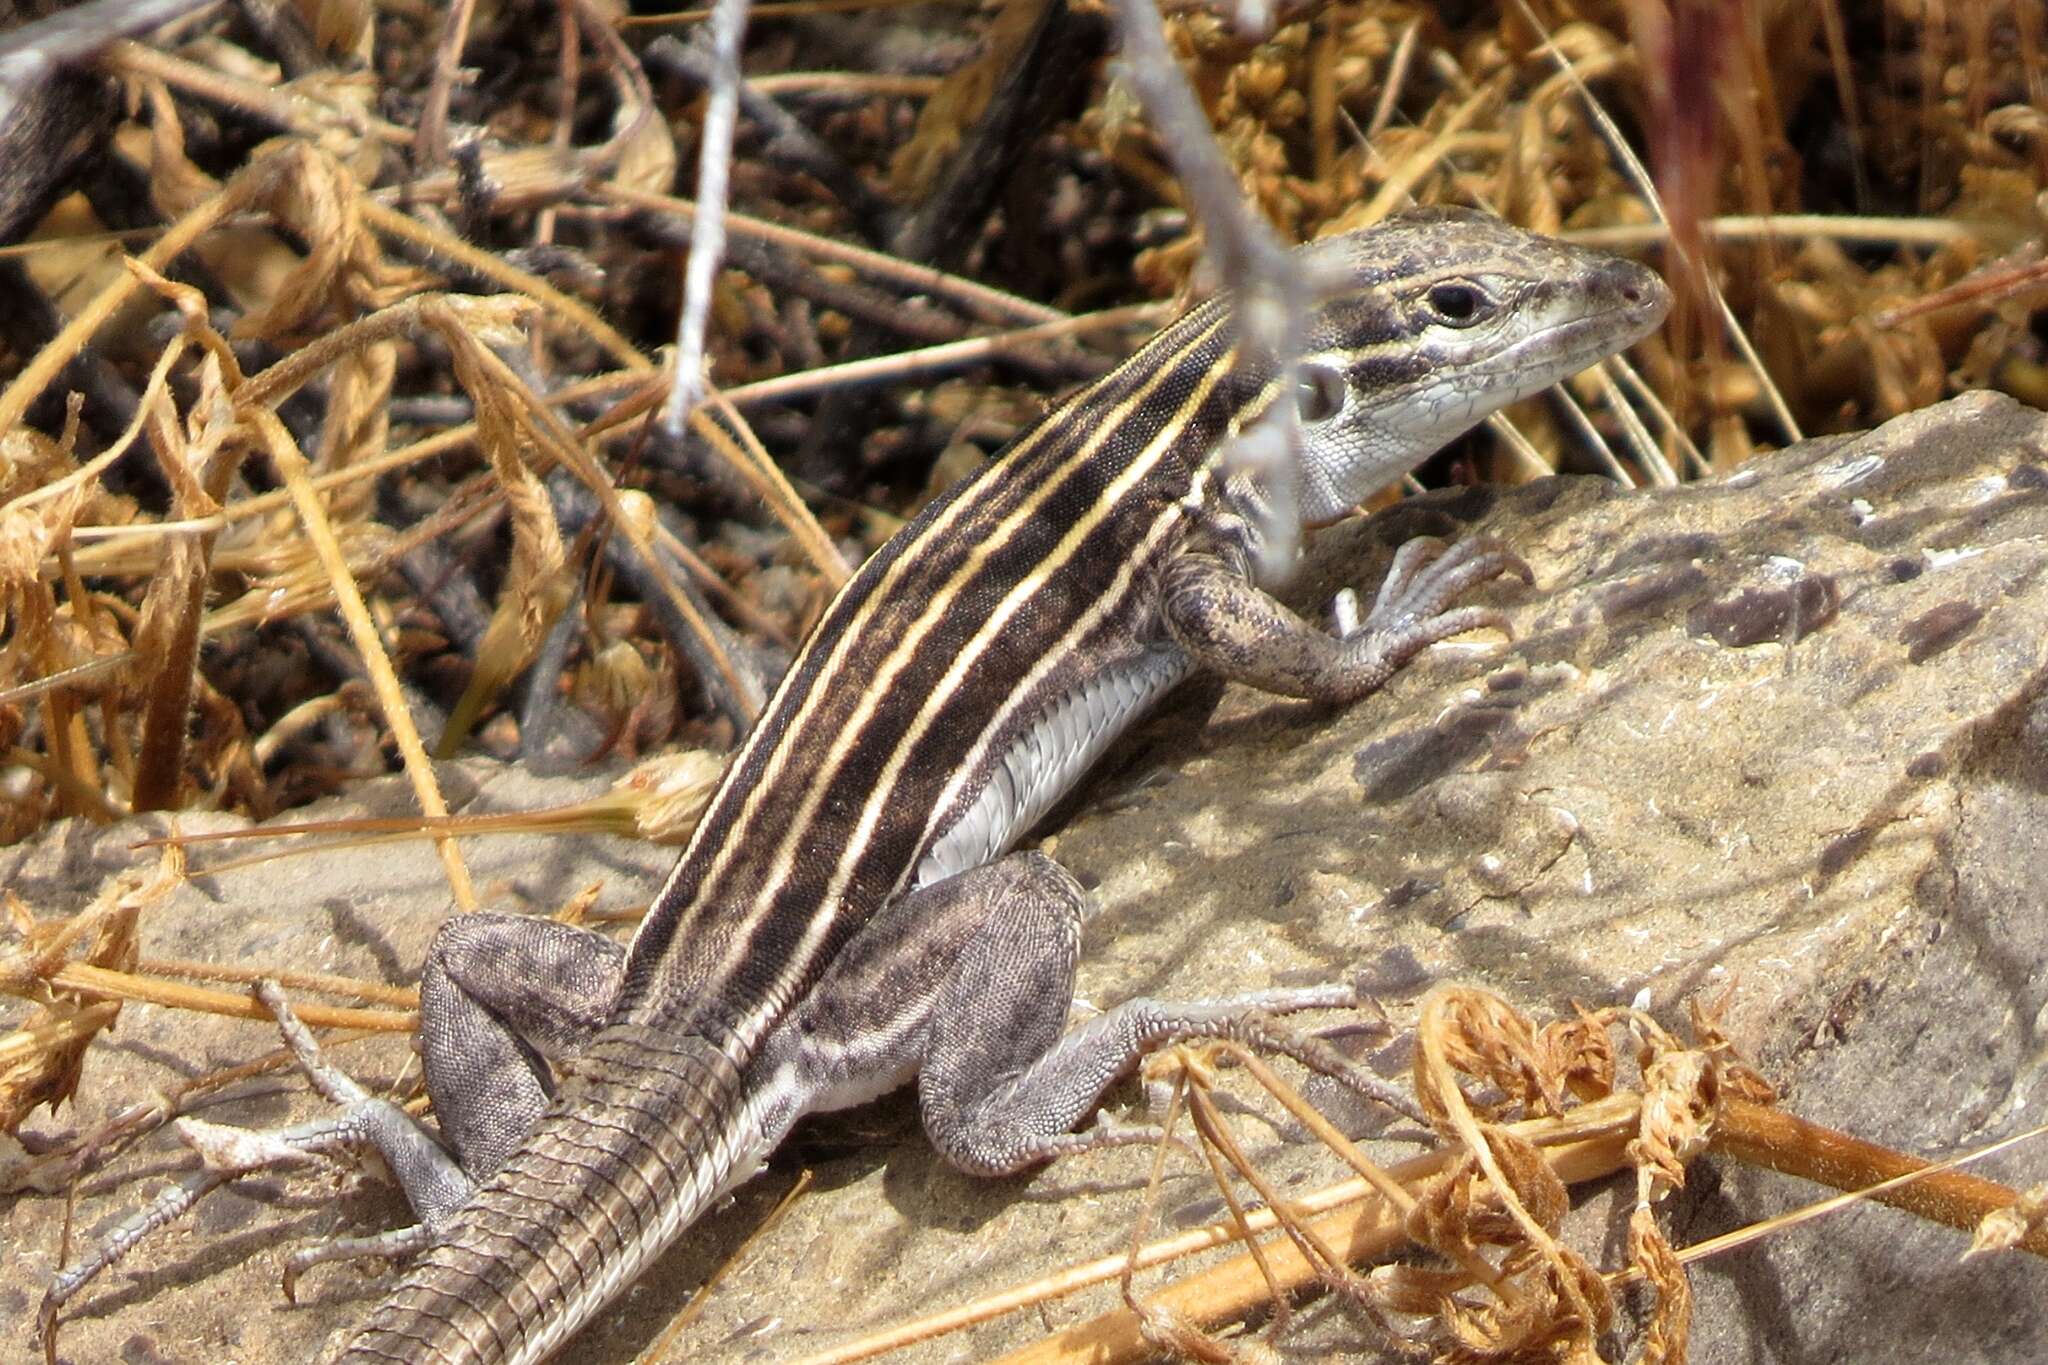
<point>1632,293</point>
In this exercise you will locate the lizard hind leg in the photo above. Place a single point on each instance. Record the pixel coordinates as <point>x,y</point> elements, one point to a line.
<point>432,1179</point>
<point>499,994</point>
<point>968,982</point>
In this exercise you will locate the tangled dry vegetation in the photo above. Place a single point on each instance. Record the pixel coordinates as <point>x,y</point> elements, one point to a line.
<point>331,333</point>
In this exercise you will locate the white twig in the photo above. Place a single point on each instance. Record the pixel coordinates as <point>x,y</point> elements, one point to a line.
<point>1273,292</point>
<point>707,229</point>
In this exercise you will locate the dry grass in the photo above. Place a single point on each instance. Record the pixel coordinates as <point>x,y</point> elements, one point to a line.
<point>226,514</point>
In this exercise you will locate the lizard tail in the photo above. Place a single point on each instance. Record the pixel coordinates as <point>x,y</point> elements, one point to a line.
<point>637,1144</point>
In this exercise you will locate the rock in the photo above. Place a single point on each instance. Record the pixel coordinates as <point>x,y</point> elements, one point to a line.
<point>1777,738</point>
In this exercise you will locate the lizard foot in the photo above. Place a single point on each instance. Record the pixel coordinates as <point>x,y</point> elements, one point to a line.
<point>1413,610</point>
<point>365,1124</point>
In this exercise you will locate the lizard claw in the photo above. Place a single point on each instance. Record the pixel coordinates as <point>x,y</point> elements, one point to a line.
<point>397,1244</point>
<point>1413,610</point>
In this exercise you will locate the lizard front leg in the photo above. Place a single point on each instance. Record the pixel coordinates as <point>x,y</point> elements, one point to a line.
<point>1229,624</point>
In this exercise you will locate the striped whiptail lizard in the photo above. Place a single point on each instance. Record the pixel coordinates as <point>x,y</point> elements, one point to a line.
<point>845,918</point>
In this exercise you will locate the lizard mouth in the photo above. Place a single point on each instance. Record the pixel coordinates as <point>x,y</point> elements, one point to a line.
<point>1571,345</point>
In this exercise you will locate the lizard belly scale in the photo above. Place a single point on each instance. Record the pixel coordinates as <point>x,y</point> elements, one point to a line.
<point>1048,756</point>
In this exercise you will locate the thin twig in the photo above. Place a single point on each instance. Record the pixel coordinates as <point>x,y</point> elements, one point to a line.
<point>1742,227</point>
<point>1640,177</point>
<point>101,983</point>
<point>1584,1145</point>
<point>992,303</point>
<point>292,468</point>
<point>929,360</point>
<point>707,230</point>
<point>431,149</point>
<point>788,139</point>
<point>494,267</point>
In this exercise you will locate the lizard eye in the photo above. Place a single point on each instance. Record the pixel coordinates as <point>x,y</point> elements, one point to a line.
<point>1321,393</point>
<point>1457,304</point>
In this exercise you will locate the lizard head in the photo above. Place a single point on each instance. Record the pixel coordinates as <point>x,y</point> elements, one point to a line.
<point>1438,317</point>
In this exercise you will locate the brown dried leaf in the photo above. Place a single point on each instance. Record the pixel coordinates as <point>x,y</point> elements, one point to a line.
<point>1479,1035</point>
<point>1530,1178</point>
<point>344,269</point>
<point>40,1062</point>
<point>537,582</point>
<point>1736,1077</point>
<point>176,186</point>
<point>647,160</point>
<point>1418,1290</point>
<point>1451,1215</point>
<point>1579,1052</point>
<point>1681,1094</point>
<point>341,25</point>
<point>1670,1326</point>
<point>1538,1317</point>
<point>28,461</point>
<point>358,423</point>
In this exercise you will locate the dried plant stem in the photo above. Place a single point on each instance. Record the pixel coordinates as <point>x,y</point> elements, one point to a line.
<point>429,448</point>
<point>1326,1132</point>
<point>326,983</point>
<point>491,266</point>
<point>293,469</point>
<point>756,468</point>
<point>918,278</point>
<point>1778,1141</point>
<point>1351,1216</point>
<point>752,462</point>
<point>860,84</point>
<point>1396,79</point>
<point>267,388</point>
<point>104,558</point>
<point>736,693</point>
<point>928,359</point>
<point>1400,185</point>
<point>1633,165</point>
<point>287,111</point>
<point>101,983</point>
<point>568,75</point>
<point>1218,1145</point>
<point>432,146</point>
<point>773,8</point>
<point>49,362</point>
<point>1737,227</point>
<point>41,1036</point>
<point>1997,283</point>
<point>658,1349</point>
<point>707,230</point>
<point>1227,1292</point>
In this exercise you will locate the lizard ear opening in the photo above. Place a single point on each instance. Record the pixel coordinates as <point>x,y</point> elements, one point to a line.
<point>1321,392</point>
